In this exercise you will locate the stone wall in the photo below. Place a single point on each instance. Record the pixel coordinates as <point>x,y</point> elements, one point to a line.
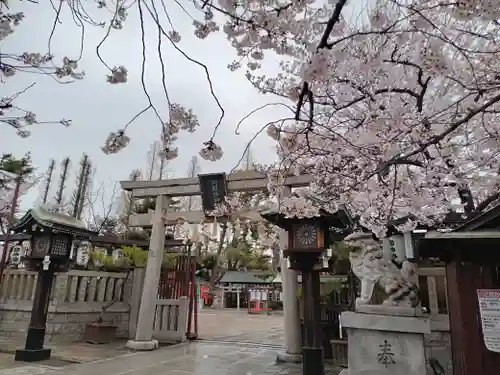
<point>77,298</point>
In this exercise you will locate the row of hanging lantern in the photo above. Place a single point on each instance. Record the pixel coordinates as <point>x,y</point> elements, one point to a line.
<point>82,250</point>
<point>208,233</point>
<point>20,252</point>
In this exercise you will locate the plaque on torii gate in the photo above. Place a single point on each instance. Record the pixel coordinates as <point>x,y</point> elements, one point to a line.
<point>213,188</point>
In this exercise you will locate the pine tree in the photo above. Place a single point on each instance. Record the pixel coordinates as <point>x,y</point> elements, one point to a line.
<point>12,168</point>
<point>19,166</point>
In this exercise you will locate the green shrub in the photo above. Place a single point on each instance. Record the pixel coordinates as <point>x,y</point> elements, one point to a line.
<point>137,256</point>
<point>97,256</point>
<point>169,260</point>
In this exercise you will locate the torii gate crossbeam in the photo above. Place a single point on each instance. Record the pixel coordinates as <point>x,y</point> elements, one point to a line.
<point>185,187</point>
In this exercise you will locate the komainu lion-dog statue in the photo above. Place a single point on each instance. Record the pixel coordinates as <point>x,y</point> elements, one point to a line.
<point>371,267</point>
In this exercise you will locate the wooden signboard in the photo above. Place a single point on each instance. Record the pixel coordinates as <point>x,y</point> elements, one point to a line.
<point>213,189</point>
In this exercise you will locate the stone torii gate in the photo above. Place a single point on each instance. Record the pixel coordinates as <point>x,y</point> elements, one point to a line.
<point>241,181</point>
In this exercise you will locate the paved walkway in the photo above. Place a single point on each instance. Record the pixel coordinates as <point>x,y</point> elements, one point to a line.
<point>196,358</point>
<point>217,324</point>
<point>231,343</point>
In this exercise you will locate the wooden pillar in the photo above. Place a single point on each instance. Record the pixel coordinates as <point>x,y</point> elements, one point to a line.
<point>312,350</point>
<point>453,289</point>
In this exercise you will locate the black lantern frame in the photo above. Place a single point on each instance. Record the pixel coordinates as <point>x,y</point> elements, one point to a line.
<point>308,238</point>
<point>51,235</point>
<point>56,245</point>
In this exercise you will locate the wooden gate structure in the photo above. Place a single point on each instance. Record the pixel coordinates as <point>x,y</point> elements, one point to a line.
<point>176,312</point>
<point>177,293</point>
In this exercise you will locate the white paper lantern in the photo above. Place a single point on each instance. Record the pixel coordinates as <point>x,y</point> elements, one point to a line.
<point>394,248</point>
<point>16,253</point>
<point>27,248</point>
<point>83,255</point>
<point>118,255</point>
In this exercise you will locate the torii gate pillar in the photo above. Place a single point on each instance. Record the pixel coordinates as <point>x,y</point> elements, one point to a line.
<point>144,333</point>
<point>289,284</point>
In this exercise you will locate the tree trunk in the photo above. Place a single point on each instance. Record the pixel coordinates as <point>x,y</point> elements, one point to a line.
<point>216,270</point>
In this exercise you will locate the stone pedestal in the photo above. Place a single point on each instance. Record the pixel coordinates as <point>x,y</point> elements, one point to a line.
<point>381,344</point>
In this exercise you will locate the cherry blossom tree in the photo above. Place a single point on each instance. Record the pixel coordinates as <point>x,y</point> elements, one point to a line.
<point>396,112</point>
<point>393,106</point>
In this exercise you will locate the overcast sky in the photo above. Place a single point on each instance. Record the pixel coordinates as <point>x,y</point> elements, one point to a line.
<point>97,107</point>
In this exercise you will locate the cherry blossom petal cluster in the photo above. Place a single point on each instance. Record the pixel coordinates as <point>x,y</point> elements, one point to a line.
<point>211,151</point>
<point>115,142</point>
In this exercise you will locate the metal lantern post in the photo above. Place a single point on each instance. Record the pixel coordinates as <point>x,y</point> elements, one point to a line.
<point>307,241</point>
<point>52,235</point>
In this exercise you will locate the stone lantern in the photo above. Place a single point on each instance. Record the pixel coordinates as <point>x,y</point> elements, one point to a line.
<point>52,235</point>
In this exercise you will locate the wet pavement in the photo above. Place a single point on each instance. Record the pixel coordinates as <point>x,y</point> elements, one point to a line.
<point>196,358</point>
<point>231,343</point>
<point>219,324</point>
<point>214,325</point>
<point>270,339</point>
